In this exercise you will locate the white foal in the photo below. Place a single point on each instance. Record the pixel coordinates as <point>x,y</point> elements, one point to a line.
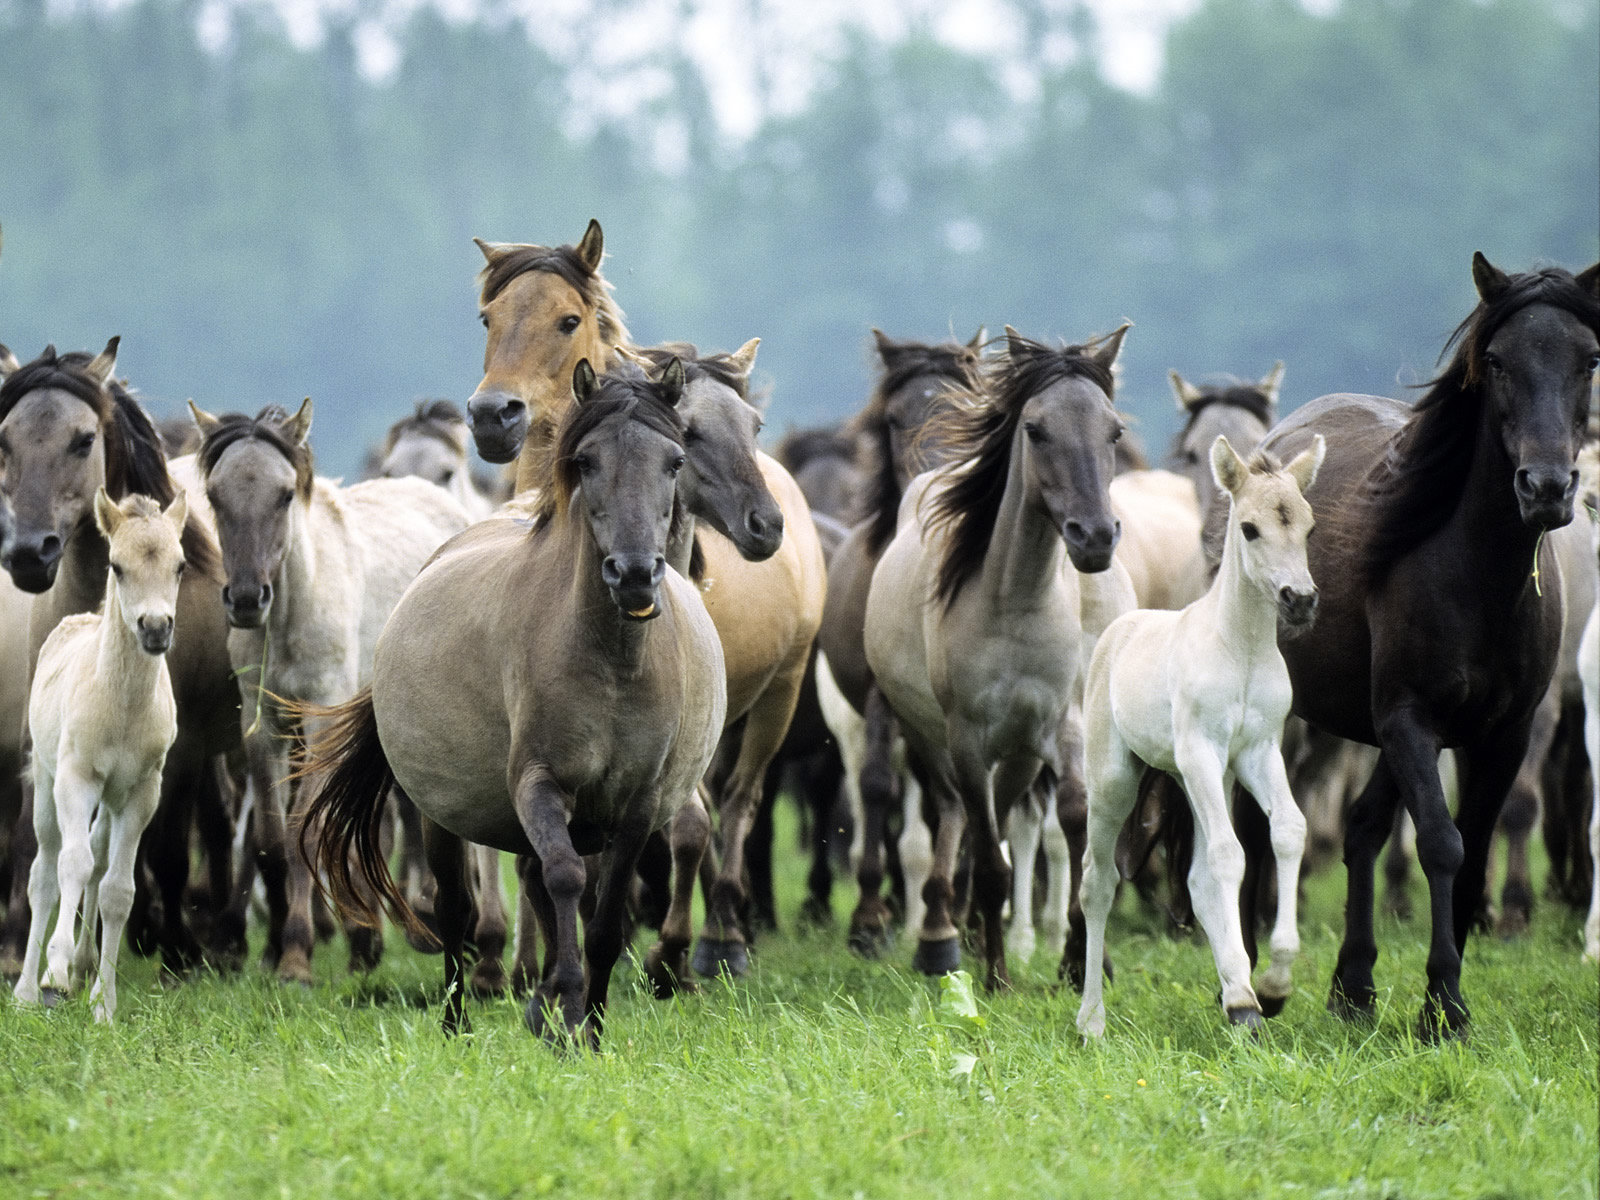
<point>1203,694</point>
<point>102,718</point>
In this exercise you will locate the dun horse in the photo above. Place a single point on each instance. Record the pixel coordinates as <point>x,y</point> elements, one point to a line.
<point>549,687</point>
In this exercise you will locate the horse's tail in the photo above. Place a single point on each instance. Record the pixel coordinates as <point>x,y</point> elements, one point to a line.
<point>351,776</point>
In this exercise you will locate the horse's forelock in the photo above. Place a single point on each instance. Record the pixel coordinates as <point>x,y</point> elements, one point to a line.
<point>565,263</point>
<point>233,428</point>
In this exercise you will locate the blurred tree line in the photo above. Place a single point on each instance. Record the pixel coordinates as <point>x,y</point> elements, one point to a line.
<point>264,223</point>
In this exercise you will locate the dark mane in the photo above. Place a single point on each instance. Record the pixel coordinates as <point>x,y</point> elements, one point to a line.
<point>263,427</point>
<point>958,364</point>
<point>798,448</point>
<point>135,462</point>
<point>566,263</point>
<point>1414,489</point>
<point>1235,393</point>
<point>718,367</point>
<point>438,419</point>
<point>979,436</point>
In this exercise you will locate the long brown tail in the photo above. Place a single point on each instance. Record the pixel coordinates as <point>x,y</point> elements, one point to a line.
<point>352,777</point>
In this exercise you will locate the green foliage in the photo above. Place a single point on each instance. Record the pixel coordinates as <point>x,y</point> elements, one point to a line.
<point>266,224</point>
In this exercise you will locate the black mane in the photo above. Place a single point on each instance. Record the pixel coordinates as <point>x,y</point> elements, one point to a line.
<point>234,428</point>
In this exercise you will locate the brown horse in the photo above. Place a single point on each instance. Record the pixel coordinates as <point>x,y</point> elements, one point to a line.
<point>551,688</point>
<point>1440,617</point>
<point>66,428</point>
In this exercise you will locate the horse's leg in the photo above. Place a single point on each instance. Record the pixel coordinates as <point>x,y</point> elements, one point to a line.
<point>414,880</point>
<point>88,946</point>
<point>761,906</point>
<point>1113,792</point>
<point>116,888</point>
<point>44,885</point>
<point>1518,816</point>
<point>915,845</point>
<point>1352,994</point>
<point>819,777</point>
<point>1263,775</point>
<point>722,944</point>
<point>1216,874</point>
<point>666,964</point>
<point>1024,826</point>
<point>286,879</point>
<point>654,881</point>
<point>1072,816</point>
<point>76,795</point>
<point>938,942</point>
<point>870,932</point>
<point>1251,826</point>
<point>1571,777</point>
<point>24,850</point>
<point>542,809</point>
<point>489,975</point>
<point>165,848</point>
<point>991,800</point>
<point>525,957</point>
<point>446,856</point>
<point>605,933</point>
<point>216,823</point>
<point>365,941</point>
<point>1397,866</point>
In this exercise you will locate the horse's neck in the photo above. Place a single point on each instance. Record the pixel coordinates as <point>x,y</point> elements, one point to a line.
<point>1026,553</point>
<point>601,355</point>
<point>594,616</point>
<point>680,546</point>
<point>298,576</point>
<point>1246,614</point>
<point>1498,548</point>
<point>123,671</point>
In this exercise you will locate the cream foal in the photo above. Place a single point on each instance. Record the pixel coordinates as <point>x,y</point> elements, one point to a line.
<point>102,718</point>
<point>1202,694</point>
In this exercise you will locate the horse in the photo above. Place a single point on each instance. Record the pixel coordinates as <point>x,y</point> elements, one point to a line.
<point>1441,608</point>
<point>913,386</point>
<point>823,462</point>
<point>102,718</point>
<point>312,571</point>
<point>1232,408</point>
<point>974,628</point>
<point>432,444</point>
<point>550,687</point>
<point>1160,546</point>
<point>1202,694</point>
<point>67,428</point>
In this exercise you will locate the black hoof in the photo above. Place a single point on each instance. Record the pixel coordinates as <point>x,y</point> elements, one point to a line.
<point>937,957</point>
<point>1246,1018</point>
<point>1362,1007</point>
<point>815,914</point>
<point>713,957</point>
<point>1271,1006</point>
<point>50,997</point>
<point>871,943</point>
<point>1442,1022</point>
<point>667,978</point>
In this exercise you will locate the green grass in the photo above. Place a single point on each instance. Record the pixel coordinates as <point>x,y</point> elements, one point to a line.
<point>821,1075</point>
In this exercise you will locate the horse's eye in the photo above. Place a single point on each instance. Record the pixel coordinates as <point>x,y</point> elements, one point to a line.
<point>181,566</point>
<point>1251,533</point>
<point>1594,365</point>
<point>569,323</point>
<point>483,319</point>
<point>1492,361</point>
<point>286,499</point>
<point>582,464</point>
<point>1035,434</point>
<point>116,569</point>
<point>691,435</point>
<point>677,464</point>
<point>82,444</point>
<point>1117,436</point>
<point>449,474</point>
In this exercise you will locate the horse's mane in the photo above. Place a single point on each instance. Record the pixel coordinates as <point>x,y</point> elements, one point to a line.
<point>958,364</point>
<point>234,428</point>
<point>438,419</point>
<point>1414,489</point>
<point>135,459</point>
<point>718,367</point>
<point>799,448</point>
<point>568,264</point>
<point>1232,392</point>
<point>977,435</point>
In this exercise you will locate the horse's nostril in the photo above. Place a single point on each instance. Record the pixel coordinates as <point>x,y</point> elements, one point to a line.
<point>50,548</point>
<point>1076,531</point>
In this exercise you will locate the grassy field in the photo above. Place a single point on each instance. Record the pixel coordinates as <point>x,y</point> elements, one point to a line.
<point>821,1075</point>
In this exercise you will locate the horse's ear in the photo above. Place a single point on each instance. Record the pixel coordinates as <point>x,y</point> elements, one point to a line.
<point>1271,382</point>
<point>1589,280</point>
<point>672,381</point>
<point>107,515</point>
<point>1015,342</point>
<point>298,427</point>
<point>886,346</point>
<point>493,252</point>
<point>1106,350</point>
<point>1304,466</point>
<point>1489,279</point>
<point>593,246</point>
<point>102,364</point>
<point>1227,468</point>
<point>177,513</point>
<point>743,360</point>
<point>978,339</point>
<point>583,381</point>
<point>8,361</point>
<point>203,421</point>
<point>1188,395</point>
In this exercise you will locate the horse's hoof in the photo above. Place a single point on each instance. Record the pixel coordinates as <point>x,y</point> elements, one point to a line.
<point>1271,1006</point>
<point>456,1024</point>
<point>488,979</point>
<point>10,968</point>
<point>522,980</point>
<point>295,968</point>
<point>49,997</point>
<point>1361,1007</point>
<point>871,944</point>
<point>1397,905</point>
<point>1246,1018</point>
<point>1441,1022</point>
<point>816,914</point>
<point>938,956</point>
<point>666,980</point>
<point>1513,923</point>
<point>714,956</point>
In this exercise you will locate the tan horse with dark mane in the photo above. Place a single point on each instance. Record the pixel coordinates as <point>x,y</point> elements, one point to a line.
<point>545,308</point>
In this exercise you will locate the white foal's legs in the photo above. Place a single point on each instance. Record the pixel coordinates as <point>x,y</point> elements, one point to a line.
<point>916,842</point>
<point>1217,873</point>
<point>1113,784</point>
<point>1057,882</point>
<point>1262,772</point>
<point>1023,830</point>
<point>75,799</point>
<point>44,888</point>
<point>84,957</point>
<point>116,888</point>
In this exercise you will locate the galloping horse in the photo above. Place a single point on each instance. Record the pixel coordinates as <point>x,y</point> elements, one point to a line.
<point>432,444</point>
<point>547,687</point>
<point>1440,616</point>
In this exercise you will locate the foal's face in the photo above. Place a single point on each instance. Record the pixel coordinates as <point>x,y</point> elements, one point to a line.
<point>426,457</point>
<point>1069,433</point>
<point>1537,373</point>
<point>146,564</point>
<point>253,494</point>
<point>722,483</point>
<point>1270,521</point>
<point>627,482</point>
<point>52,460</point>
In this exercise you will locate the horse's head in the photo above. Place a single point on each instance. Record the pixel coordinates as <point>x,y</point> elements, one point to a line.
<point>54,412</point>
<point>431,444</point>
<point>722,482</point>
<point>1239,411</point>
<point>1533,348</point>
<point>1269,521</point>
<point>1068,432</point>
<point>618,455</point>
<point>256,471</point>
<point>544,309</point>
<point>917,379</point>
<point>146,564</point>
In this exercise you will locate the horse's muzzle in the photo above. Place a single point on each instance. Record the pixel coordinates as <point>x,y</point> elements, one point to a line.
<point>634,584</point>
<point>155,634</point>
<point>32,565</point>
<point>1297,611</point>
<point>1545,496</point>
<point>499,424</point>
<point>1090,546</point>
<point>247,606</point>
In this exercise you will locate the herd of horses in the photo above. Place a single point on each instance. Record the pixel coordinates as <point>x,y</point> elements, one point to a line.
<point>970,626</point>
